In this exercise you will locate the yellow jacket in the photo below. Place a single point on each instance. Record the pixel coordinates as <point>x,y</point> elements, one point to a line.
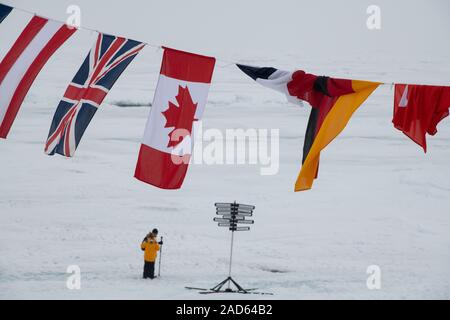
<point>151,248</point>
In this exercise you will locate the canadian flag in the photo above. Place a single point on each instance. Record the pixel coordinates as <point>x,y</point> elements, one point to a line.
<point>179,102</point>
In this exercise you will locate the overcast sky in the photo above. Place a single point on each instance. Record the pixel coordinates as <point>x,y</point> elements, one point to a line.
<point>412,28</point>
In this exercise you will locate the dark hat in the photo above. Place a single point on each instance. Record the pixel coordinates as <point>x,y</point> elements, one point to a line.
<point>155,231</point>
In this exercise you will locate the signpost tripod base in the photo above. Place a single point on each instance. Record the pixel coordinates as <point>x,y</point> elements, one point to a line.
<point>229,281</point>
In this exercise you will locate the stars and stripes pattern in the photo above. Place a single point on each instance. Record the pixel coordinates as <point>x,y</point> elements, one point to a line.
<point>104,64</point>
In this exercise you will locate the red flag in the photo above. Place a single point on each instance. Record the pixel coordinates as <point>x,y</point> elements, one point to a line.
<point>418,109</point>
<point>179,102</point>
<point>19,68</point>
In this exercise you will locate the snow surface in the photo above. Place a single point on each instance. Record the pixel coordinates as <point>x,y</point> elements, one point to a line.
<point>378,201</point>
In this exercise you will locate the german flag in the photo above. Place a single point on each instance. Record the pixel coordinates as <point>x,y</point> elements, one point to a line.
<point>333,102</point>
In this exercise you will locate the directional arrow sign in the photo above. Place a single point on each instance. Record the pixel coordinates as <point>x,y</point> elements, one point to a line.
<point>243,212</point>
<point>245,221</point>
<point>233,216</point>
<point>219,212</point>
<point>235,205</point>
<point>225,208</point>
<point>224,225</point>
<point>222,220</point>
<point>246,207</point>
<point>224,205</point>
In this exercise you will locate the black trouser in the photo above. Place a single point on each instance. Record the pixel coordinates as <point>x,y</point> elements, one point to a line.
<point>149,270</point>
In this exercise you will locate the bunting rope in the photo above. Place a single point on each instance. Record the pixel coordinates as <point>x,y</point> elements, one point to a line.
<point>333,100</point>
<point>228,63</point>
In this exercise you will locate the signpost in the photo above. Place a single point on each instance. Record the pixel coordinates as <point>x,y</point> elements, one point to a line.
<point>232,215</point>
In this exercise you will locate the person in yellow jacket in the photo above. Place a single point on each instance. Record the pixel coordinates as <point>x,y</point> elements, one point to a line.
<point>150,247</point>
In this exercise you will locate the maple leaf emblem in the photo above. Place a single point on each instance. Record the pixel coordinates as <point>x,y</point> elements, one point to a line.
<point>181,118</point>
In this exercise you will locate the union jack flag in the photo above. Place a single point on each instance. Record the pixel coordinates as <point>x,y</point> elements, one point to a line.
<point>104,64</point>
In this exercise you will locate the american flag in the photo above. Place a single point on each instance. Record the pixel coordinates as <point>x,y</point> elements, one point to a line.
<point>104,64</point>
